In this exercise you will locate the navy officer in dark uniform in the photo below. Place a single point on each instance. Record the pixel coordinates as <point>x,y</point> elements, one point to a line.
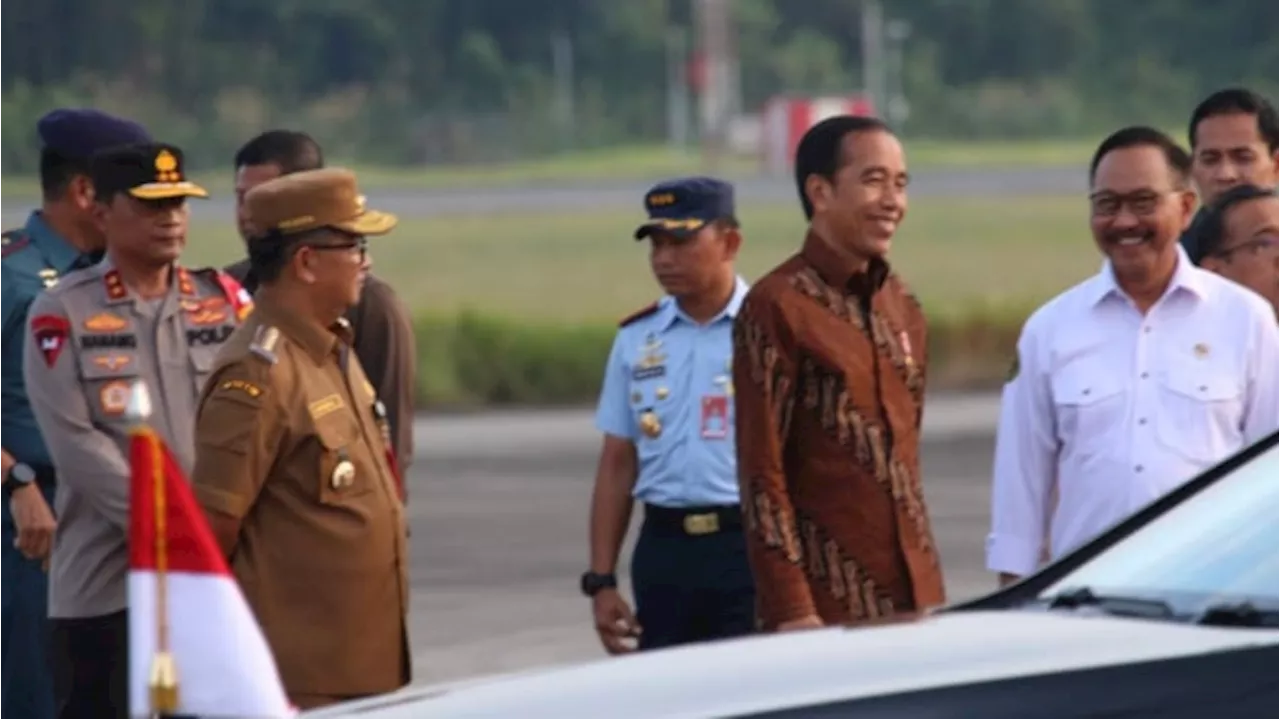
<point>666,413</point>
<point>59,237</point>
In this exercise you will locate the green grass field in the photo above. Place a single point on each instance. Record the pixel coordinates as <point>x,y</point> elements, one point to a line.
<point>651,161</point>
<point>956,253</point>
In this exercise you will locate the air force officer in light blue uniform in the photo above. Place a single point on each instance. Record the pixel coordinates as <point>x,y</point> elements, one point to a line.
<point>666,412</point>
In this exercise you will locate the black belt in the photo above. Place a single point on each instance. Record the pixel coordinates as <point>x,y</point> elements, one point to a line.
<point>694,521</point>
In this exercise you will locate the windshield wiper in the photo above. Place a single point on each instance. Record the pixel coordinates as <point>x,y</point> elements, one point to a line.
<point>1242,614</point>
<point>1111,604</point>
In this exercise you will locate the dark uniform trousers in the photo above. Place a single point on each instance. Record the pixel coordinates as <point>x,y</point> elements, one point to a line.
<point>690,576</point>
<point>91,666</point>
<point>24,622</point>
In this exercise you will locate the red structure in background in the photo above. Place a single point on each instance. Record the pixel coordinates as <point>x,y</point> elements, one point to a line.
<point>786,119</point>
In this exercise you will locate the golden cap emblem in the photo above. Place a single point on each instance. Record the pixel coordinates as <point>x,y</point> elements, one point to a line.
<point>167,167</point>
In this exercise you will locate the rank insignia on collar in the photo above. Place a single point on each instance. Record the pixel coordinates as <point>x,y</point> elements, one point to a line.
<point>115,285</point>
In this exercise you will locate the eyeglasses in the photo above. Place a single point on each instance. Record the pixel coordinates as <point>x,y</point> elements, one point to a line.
<point>1142,202</point>
<point>1252,248</point>
<point>360,244</point>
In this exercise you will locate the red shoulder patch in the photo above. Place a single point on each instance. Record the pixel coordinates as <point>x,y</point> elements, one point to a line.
<point>50,333</point>
<point>235,293</point>
<point>638,314</point>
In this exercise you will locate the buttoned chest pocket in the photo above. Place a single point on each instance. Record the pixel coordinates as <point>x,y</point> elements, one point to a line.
<point>1200,410</point>
<point>1088,401</point>
<point>344,472</point>
<point>108,377</point>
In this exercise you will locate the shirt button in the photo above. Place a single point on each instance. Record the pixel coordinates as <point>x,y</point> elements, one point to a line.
<point>1085,392</point>
<point>1144,375</point>
<point>1204,388</point>
<point>1146,330</point>
<point>1142,420</point>
<point>1138,468</point>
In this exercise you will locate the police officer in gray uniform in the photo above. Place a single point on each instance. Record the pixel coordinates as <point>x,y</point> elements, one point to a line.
<point>138,317</point>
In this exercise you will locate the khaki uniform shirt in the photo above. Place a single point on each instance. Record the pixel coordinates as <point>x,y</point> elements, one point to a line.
<point>829,369</point>
<point>90,339</point>
<point>384,342</point>
<point>289,448</point>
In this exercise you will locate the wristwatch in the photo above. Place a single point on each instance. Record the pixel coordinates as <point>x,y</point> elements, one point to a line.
<point>20,475</point>
<point>592,583</point>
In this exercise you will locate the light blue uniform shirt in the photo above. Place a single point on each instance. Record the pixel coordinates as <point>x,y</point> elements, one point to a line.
<point>666,364</point>
<point>33,255</point>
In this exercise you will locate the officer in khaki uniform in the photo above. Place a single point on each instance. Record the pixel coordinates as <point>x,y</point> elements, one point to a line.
<point>291,446</point>
<point>137,317</point>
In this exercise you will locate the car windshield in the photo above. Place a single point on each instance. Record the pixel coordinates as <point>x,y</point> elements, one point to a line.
<point>1220,545</point>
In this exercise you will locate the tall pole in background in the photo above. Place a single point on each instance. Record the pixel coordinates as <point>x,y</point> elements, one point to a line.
<point>873,68</point>
<point>677,88</point>
<point>711,18</point>
<point>562,71</point>
<point>896,107</point>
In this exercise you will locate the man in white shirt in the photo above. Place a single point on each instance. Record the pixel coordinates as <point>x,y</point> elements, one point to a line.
<point>1133,381</point>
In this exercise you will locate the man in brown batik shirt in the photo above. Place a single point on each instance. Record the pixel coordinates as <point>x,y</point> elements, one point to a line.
<point>829,370</point>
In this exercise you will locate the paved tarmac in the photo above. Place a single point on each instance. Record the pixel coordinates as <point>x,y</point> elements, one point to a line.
<point>499,506</point>
<point>622,194</point>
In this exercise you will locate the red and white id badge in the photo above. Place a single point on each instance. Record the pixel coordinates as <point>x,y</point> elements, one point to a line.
<point>715,416</point>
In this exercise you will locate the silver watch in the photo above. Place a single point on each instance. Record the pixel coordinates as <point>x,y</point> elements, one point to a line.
<point>21,474</point>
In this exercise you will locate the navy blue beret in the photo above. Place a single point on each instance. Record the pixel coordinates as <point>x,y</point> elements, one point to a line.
<point>79,133</point>
<point>683,206</point>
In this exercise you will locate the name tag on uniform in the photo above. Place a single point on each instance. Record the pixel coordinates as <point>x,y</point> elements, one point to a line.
<point>715,416</point>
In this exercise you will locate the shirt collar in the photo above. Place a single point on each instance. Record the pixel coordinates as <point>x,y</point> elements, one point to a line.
<point>1186,277</point>
<point>53,247</point>
<point>319,342</point>
<point>669,310</point>
<point>841,271</point>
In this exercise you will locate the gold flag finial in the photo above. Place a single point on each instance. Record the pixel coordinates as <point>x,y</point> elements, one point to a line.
<point>164,683</point>
<point>164,670</point>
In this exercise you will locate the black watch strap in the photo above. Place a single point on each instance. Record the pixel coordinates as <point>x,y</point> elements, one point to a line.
<point>19,476</point>
<point>592,583</point>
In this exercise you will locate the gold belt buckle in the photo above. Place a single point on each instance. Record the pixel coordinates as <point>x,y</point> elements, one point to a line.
<point>702,523</point>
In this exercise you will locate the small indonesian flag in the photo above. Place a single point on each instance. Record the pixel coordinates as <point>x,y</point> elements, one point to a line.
<point>195,648</point>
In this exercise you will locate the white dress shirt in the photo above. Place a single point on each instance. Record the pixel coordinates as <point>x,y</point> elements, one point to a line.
<point>1110,409</point>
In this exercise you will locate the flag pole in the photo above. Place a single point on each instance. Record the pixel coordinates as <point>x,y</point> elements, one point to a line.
<point>163,677</point>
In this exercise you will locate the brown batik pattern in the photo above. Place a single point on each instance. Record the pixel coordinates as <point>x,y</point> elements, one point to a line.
<point>844,578</point>
<point>823,392</point>
<point>768,520</point>
<point>761,515</point>
<point>810,284</point>
<point>767,370</point>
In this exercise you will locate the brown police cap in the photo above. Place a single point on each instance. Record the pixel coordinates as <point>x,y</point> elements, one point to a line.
<point>312,199</point>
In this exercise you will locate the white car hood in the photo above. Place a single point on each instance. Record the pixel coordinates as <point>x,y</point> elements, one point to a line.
<point>775,671</point>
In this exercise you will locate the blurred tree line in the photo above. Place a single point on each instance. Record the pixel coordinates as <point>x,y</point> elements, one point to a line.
<point>405,81</point>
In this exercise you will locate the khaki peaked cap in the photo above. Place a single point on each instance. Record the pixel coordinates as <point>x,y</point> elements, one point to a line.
<point>312,199</point>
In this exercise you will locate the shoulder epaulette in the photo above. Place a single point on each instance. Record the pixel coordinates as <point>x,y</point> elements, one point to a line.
<point>638,314</point>
<point>264,343</point>
<point>11,241</point>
